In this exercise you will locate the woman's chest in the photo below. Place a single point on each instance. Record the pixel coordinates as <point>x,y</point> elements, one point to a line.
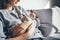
<point>11,19</point>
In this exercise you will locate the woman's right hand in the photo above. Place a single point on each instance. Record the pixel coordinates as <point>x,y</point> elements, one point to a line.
<point>27,34</point>
<point>21,28</point>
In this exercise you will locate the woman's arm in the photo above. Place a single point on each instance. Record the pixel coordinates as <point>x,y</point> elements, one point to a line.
<point>27,34</point>
<point>21,37</point>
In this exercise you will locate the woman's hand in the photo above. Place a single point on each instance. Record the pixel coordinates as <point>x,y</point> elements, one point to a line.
<point>21,28</point>
<point>27,34</point>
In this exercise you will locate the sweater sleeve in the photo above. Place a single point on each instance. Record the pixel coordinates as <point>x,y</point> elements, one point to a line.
<point>2,35</point>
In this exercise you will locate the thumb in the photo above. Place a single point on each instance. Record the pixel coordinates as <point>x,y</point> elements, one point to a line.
<point>31,28</point>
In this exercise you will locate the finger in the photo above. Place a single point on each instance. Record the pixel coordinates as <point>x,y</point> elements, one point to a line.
<point>26,24</point>
<point>19,33</point>
<point>31,28</point>
<point>15,33</point>
<point>19,30</point>
<point>22,31</point>
<point>15,29</point>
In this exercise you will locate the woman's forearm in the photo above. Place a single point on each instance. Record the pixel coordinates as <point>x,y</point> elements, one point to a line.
<point>22,37</point>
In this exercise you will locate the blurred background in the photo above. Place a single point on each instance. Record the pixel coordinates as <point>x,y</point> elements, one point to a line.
<point>34,4</point>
